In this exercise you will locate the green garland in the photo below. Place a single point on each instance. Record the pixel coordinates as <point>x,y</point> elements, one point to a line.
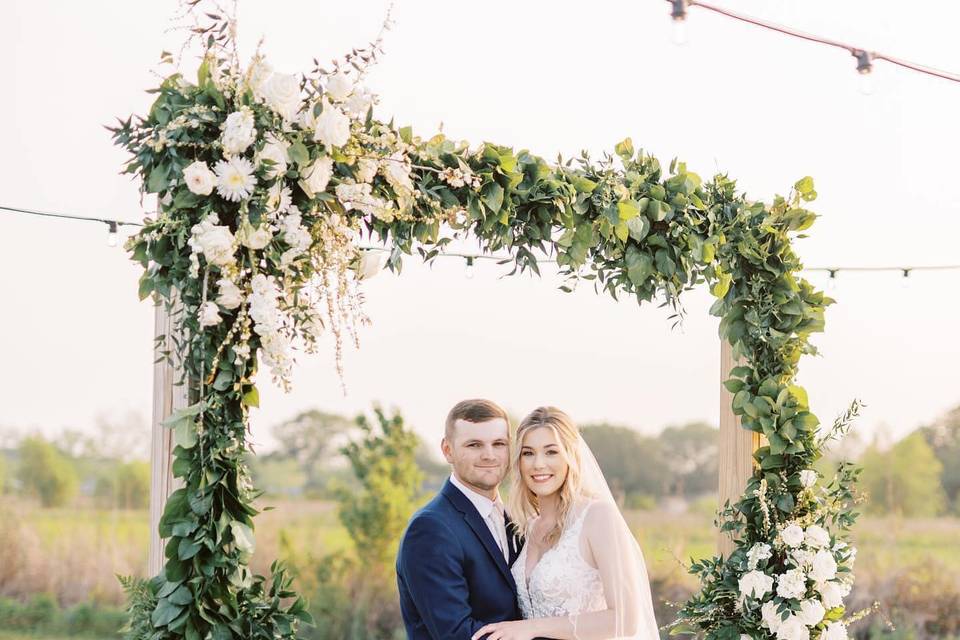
<point>268,260</point>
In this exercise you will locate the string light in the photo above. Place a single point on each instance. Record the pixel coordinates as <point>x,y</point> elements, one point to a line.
<point>112,233</point>
<point>679,15</point>
<point>865,59</point>
<point>471,258</point>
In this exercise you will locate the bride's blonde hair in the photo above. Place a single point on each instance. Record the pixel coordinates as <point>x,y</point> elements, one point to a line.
<point>522,503</point>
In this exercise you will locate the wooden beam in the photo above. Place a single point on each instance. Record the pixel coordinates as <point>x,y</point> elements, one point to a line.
<point>166,397</point>
<point>736,447</point>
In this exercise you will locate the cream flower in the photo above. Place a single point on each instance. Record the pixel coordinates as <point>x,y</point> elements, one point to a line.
<point>792,535</point>
<point>758,552</point>
<point>808,478</point>
<point>317,177</point>
<point>832,593</point>
<point>834,631</point>
<point>792,584</point>
<point>238,131</point>
<point>230,296</point>
<point>209,314</point>
<point>811,612</point>
<point>816,537</point>
<point>339,86</point>
<point>281,92</point>
<point>255,237</point>
<point>824,566</point>
<point>755,584</point>
<point>771,618</point>
<point>793,629</point>
<point>235,179</point>
<point>332,126</point>
<point>396,169</point>
<point>360,102</point>
<point>366,170</point>
<point>200,180</point>
<point>216,242</point>
<point>276,151</point>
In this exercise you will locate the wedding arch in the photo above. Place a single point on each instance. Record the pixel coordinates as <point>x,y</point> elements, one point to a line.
<point>266,185</point>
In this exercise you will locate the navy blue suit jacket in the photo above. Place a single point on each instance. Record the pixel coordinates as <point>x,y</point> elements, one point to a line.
<point>450,572</point>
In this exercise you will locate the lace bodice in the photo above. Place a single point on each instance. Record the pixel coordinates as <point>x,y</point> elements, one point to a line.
<point>561,583</point>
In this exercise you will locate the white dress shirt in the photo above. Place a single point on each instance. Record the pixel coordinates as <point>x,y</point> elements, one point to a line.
<point>491,512</point>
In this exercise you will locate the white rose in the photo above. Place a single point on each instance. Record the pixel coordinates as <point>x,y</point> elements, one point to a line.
<point>209,314</point>
<point>259,71</point>
<point>366,170</point>
<point>332,126</point>
<point>230,296</point>
<point>793,629</point>
<point>816,536</point>
<point>808,478</point>
<point>276,151</point>
<point>831,595</point>
<point>834,631</point>
<point>317,177</point>
<point>215,242</point>
<point>792,584</point>
<point>256,238</point>
<point>339,86</point>
<point>824,566</point>
<point>771,617</point>
<point>281,92</point>
<point>359,102</point>
<point>755,584</point>
<point>792,535</point>
<point>199,178</point>
<point>811,612</point>
<point>238,131</point>
<point>802,558</point>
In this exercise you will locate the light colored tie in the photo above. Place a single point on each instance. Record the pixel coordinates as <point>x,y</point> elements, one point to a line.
<point>500,526</point>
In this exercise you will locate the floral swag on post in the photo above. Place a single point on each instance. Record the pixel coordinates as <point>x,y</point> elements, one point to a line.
<point>267,182</point>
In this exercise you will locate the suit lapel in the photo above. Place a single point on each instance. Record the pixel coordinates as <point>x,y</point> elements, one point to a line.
<point>480,529</point>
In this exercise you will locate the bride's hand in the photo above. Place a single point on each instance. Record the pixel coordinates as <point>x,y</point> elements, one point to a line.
<point>510,630</point>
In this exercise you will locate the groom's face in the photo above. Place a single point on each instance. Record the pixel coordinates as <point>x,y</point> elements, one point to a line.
<point>479,453</point>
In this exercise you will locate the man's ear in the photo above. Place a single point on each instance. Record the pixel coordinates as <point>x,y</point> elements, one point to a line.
<point>447,450</point>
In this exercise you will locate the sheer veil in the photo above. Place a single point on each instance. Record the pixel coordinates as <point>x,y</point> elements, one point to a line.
<point>629,587</point>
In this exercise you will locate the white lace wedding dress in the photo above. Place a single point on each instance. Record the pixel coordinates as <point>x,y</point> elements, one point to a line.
<point>561,583</point>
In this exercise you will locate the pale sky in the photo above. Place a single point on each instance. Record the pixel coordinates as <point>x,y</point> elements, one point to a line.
<point>552,77</point>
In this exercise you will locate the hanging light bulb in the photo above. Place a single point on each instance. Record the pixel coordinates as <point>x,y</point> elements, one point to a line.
<point>470,268</point>
<point>112,234</point>
<point>832,282</point>
<point>865,70</point>
<point>905,280</point>
<point>679,15</point>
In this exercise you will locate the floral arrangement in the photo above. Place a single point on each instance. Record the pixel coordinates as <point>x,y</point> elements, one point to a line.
<point>266,184</point>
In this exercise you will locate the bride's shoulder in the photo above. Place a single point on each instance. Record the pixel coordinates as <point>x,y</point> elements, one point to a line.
<point>600,515</point>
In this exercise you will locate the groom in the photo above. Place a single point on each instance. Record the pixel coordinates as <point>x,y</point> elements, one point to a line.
<point>453,566</point>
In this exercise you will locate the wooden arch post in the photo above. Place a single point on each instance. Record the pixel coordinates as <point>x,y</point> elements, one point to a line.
<point>167,396</point>
<point>736,448</point>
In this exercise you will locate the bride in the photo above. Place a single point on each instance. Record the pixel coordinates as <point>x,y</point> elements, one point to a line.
<point>580,574</point>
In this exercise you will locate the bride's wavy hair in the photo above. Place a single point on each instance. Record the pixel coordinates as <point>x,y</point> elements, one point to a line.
<point>523,504</point>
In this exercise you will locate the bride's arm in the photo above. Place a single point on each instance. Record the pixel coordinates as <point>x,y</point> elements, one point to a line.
<point>614,553</point>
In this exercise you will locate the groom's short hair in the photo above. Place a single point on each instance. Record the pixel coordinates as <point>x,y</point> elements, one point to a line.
<point>473,410</point>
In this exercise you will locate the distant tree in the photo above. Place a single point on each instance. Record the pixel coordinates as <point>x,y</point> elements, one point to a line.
<point>690,451</point>
<point>46,473</point>
<point>384,463</point>
<point>632,464</point>
<point>312,439</point>
<point>356,593</point>
<point>944,438</point>
<point>125,485</point>
<point>905,479</point>
<point>434,471</point>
